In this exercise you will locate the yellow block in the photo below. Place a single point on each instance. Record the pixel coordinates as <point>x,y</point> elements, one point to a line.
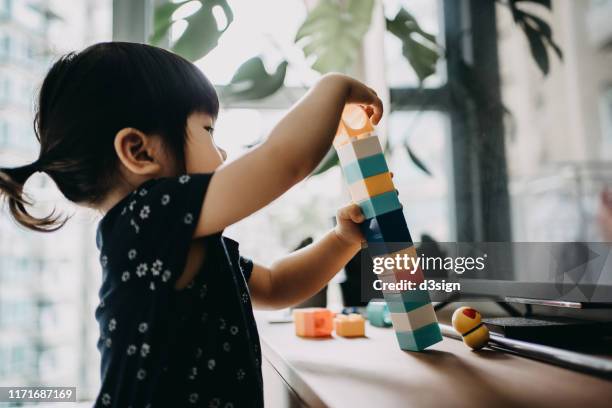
<point>371,186</point>
<point>352,325</point>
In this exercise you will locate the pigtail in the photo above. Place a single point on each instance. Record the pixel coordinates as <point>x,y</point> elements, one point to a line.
<point>11,187</point>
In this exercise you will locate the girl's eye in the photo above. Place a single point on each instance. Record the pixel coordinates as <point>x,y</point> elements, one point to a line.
<point>209,129</point>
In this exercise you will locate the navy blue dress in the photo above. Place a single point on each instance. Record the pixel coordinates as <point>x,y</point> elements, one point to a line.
<point>161,347</point>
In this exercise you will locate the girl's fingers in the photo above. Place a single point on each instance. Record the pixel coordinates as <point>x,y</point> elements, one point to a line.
<point>351,212</point>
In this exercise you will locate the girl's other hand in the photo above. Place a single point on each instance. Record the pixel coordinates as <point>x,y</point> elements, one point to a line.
<point>347,227</point>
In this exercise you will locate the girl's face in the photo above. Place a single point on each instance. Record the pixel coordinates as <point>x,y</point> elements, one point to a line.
<point>202,155</point>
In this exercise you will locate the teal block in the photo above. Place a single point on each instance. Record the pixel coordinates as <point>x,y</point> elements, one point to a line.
<point>380,204</point>
<point>365,167</point>
<point>419,339</point>
<point>378,313</point>
<point>406,301</point>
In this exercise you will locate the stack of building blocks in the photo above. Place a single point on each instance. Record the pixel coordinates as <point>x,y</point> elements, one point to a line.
<point>371,187</point>
<point>313,322</point>
<point>352,325</point>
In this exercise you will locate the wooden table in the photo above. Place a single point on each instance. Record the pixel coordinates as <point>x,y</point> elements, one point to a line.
<point>374,372</point>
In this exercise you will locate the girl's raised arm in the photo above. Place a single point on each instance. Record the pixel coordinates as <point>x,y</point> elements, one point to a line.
<point>293,149</point>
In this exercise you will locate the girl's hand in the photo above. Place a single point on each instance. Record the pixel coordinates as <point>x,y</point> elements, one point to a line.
<point>347,227</point>
<point>360,94</point>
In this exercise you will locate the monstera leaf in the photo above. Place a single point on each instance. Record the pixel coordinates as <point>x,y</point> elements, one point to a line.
<point>252,81</point>
<point>418,46</point>
<point>202,33</point>
<point>333,32</point>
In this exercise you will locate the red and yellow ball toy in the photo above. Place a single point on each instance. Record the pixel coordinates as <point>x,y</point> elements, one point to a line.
<point>468,322</point>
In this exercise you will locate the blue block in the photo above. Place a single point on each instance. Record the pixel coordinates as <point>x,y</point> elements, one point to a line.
<point>406,301</point>
<point>387,233</point>
<point>365,167</point>
<point>419,339</point>
<point>380,204</point>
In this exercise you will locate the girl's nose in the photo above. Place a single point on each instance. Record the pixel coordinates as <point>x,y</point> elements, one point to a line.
<point>223,153</point>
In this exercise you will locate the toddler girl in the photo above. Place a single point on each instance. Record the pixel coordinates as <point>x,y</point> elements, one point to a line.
<point>127,129</point>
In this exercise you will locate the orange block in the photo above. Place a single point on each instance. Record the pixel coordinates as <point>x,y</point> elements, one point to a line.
<point>371,186</point>
<point>313,322</point>
<point>352,325</point>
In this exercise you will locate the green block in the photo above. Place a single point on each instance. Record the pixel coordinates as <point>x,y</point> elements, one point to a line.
<point>365,167</point>
<point>380,204</point>
<point>419,339</point>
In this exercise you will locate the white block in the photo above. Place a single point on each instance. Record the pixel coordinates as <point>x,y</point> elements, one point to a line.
<point>359,149</point>
<point>414,319</point>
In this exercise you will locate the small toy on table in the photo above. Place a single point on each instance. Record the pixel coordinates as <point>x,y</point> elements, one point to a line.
<point>371,187</point>
<point>352,325</point>
<point>378,313</point>
<point>467,322</point>
<point>313,322</point>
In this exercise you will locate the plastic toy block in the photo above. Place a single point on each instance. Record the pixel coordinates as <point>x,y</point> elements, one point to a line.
<point>380,204</point>
<point>414,319</point>
<point>354,124</point>
<point>378,313</point>
<point>386,233</point>
<point>365,167</point>
<point>419,339</point>
<point>359,149</point>
<point>313,322</point>
<point>371,186</point>
<point>352,325</point>
<point>406,301</point>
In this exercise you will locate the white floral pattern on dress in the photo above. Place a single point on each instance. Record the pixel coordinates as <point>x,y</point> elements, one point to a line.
<point>112,324</point>
<point>165,199</point>
<point>188,218</point>
<point>141,270</point>
<point>131,350</point>
<point>141,374</point>
<point>144,212</point>
<point>145,349</point>
<point>132,254</point>
<point>143,327</point>
<point>156,267</point>
<point>106,399</point>
<point>125,276</point>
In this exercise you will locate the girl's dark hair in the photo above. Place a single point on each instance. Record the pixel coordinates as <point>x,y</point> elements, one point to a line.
<point>85,99</point>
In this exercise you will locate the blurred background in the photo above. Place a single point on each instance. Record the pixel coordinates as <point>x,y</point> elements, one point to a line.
<point>498,128</point>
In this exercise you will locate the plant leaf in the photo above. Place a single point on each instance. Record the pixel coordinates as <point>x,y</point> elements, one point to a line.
<point>329,161</point>
<point>538,50</point>
<point>544,3</point>
<point>417,162</point>
<point>202,33</point>
<point>418,46</point>
<point>162,20</point>
<point>252,81</point>
<point>333,32</point>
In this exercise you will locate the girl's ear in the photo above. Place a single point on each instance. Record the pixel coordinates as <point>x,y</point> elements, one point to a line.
<point>138,152</point>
